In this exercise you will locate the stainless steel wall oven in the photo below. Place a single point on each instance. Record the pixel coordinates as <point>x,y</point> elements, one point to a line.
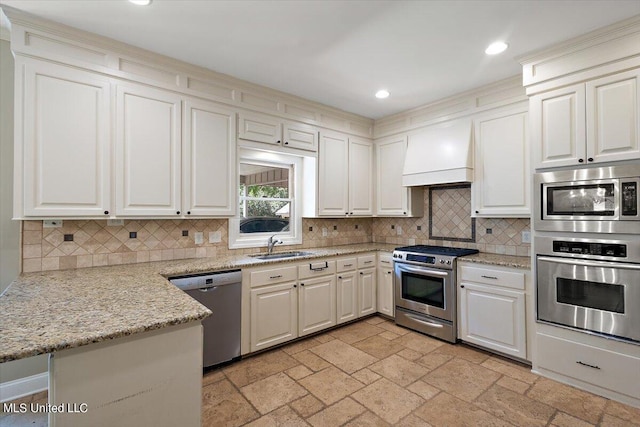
<point>590,284</point>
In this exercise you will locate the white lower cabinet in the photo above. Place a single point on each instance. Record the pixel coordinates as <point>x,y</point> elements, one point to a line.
<point>367,292</point>
<point>347,292</point>
<point>386,304</point>
<point>316,304</point>
<point>493,309</point>
<point>274,315</point>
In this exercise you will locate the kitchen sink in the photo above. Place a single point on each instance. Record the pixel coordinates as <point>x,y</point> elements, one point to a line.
<point>280,255</point>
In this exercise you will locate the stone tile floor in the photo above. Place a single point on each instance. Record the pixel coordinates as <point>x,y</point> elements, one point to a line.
<point>373,373</point>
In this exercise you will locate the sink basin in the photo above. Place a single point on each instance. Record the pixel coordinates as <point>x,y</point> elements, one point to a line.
<point>280,255</point>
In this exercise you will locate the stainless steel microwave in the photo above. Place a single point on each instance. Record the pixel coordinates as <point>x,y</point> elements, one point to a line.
<point>594,200</point>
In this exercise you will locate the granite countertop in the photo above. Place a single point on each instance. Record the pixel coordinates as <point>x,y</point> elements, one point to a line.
<point>523,262</point>
<point>51,311</point>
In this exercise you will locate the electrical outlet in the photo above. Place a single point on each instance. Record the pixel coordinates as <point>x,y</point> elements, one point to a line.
<point>526,237</point>
<point>115,222</point>
<point>399,230</point>
<point>324,231</point>
<point>215,237</point>
<point>198,237</point>
<point>52,223</point>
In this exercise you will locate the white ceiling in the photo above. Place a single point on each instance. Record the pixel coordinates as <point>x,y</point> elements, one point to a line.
<point>340,53</point>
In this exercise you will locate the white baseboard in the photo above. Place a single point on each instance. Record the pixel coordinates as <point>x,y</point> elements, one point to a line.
<point>11,390</point>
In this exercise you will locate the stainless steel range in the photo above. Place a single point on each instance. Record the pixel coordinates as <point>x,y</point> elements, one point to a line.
<point>425,286</point>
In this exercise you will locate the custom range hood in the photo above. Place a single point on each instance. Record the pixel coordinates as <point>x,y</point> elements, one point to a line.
<point>439,155</point>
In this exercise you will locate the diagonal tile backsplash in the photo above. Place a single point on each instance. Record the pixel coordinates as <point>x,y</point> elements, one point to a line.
<point>96,244</point>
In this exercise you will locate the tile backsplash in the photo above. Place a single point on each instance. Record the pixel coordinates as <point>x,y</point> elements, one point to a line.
<point>94,243</point>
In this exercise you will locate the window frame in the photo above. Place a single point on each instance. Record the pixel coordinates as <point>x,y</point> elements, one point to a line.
<point>239,240</point>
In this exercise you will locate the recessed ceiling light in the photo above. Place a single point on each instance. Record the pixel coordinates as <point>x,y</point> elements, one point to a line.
<point>141,2</point>
<point>382,94</point>
<point>496,48</point>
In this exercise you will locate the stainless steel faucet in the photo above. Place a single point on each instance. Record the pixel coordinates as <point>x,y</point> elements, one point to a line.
<point>271,243</point>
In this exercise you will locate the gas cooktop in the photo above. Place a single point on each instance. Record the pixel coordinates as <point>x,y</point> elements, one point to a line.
<point>438,250</point>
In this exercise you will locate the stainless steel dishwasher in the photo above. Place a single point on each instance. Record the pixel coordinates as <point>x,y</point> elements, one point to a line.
<point>220,292</point>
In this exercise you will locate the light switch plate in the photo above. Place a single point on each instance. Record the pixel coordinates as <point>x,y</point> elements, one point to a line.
<point>526,237</point>
<point>324,231</point>
<point>399,230</point>
<point>215,237</point>
<point>198,237</point>
<point>52,223</point>
<point>115,222</point>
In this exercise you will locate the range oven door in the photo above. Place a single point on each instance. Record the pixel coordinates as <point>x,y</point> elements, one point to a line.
<point>597,296</point>
<point>425,290</point>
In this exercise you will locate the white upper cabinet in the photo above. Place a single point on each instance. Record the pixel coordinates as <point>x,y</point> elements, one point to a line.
<point>64,118</point>
<point>333,174</point>
<point>273,131</point>
<point>502,179</point>
<point>392,199</point>
<point>591,122</point>
<point>613,117</point>
<point>148,130</point>
<point>360,177</point>
<point>208,159</point>
<point>345,176</point>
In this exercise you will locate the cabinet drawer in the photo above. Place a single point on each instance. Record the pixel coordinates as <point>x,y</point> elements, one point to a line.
<point>386,261</point>
<point>507,279</point>
<point>367,261</point>
<point>346,264</point>
<point>273,275</point>
<point>614,371</point>
<point>316,268</point>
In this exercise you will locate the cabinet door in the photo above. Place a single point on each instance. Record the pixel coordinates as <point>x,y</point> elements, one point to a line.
<point>208,159</point>
<point>558,121</point>
<point>501,184</point>
<point>254,127</point>
<point>333,178</point>
<point>386,304</point>
<point>347,290</point>
<point>391,196</point>
<point>317,304</point>
<point>298,135</point>
<point>367,292</point>
<point>274,315</point>
<point>66,126</point>
<point>148,148</point>
<point>360,177</point>
<point>494,318</point>
<point>613,117</point>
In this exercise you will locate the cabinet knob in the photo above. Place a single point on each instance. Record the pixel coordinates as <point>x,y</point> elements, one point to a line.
<point>361,273</point>
<point>295,286</point>
<point>580,160</point>
<point>388,272</point>
<point>404,213</point>
<point>590,159</point>
<point>339,277</point>
<point>188,212</point>
<point>301,284</point>
<point>278,142</point>
<point>106,212</point>
<point>350,213</point>
<point>177,212</point>
<point>462,286</point>
<point>346,213</point>
<point>286,143</point>
<point>477,212</point>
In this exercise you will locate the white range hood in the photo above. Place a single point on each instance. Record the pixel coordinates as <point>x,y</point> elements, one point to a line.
<point>439,155</point>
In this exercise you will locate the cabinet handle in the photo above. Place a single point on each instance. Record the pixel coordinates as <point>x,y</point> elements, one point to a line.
<point>587,365</point>
<point>368,262</point>
<point>590,159</point>
<point>177,212</point>
<point>106,212</point>
<point>348,265</point>
<point>489,277</point>
<point>580,160</point>
<point>275,277</point>
<point>385,262</point>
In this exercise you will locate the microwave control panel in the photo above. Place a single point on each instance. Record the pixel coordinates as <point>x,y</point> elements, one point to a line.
<point>586,248</point>
<point>629,198</point>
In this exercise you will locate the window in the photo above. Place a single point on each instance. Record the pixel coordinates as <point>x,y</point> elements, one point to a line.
<point>268,199</point>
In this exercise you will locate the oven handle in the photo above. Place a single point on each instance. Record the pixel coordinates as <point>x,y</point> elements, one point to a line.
<point>431,272</point>
<point>424,322</point>
<point>589,263</point>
